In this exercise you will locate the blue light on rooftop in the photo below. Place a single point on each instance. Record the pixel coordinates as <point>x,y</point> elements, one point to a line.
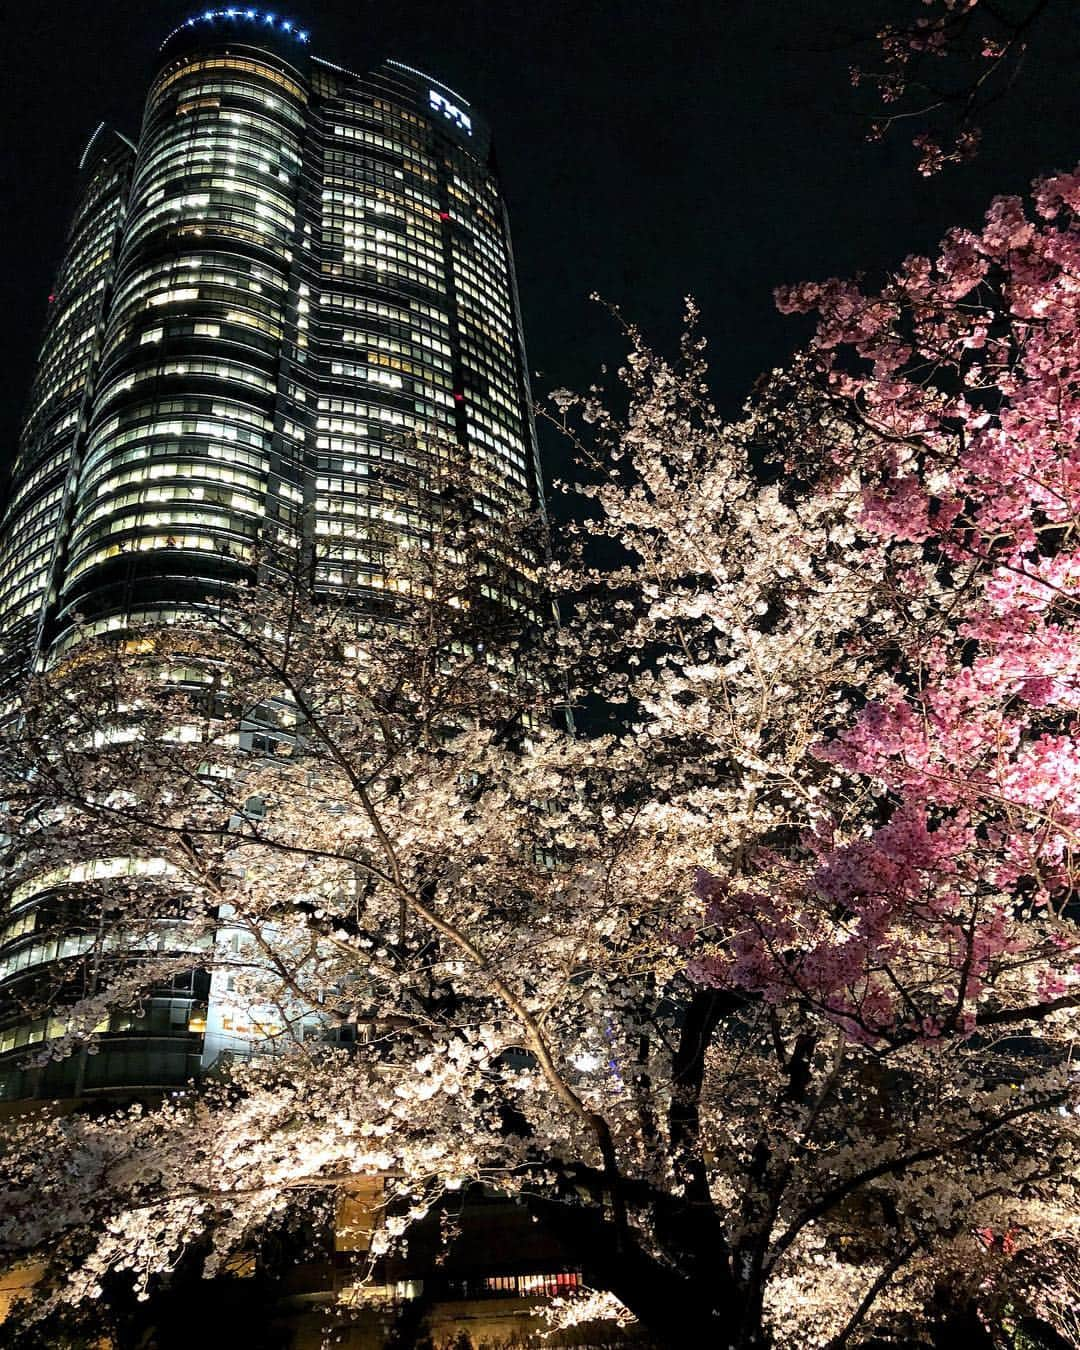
<point>255,15</point>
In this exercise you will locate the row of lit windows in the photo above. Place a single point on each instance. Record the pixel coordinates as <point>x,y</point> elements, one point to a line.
<point>364,253</point>
<point>26,573</point>
<point>32,1033</point>
<point>174,523</point>
<point>412,150</point>
<point>167,616</point>
<point>490,313</point>
<point>61,390</point>
<point>178,457</point>
<point>29,579</point>
<point>353,455</point>
<point>178,325</point>
<point>357,230</point>
<point>181,1016</point>
<point>427,318</point>
<point>495,397</point>
<point>476,187</point>
<point>58,459</point>
<point>386,224</point>
<point>18,927</point>
<point>380,270</point>
<point>90,248</point>
<point>67,310</point>
<point>183,469</point>
<point>393,200</point>
<point>495,363</point>
<point>226,269</point>
<point>381,114</point>
<point>488,244</point>
<point>62,948</point>
<point>102,195</point>
<point>427,353</point>
<point>207,140</point>
<point>258,68</point>
<point>137,520</point>
<point>116,507</point>
<point>198,98</point>
<point>190,104</point>
<point>228,137</point>
<point>29,561</point>
<point>372,412</point>
<point>29,522</point>
<point>96,869</point>
<point>205,143</point>
<point>348,169</point>
<point>503,435</point>
<point>259,130</point>
<point>269,203</point>
<point>144,288</point>
<point>24,605</point>
<point>63,353</point>
<point>220,370</point>
<point>259,314</point>
<point>358,371</point>
<point>342,514</point>
<point>190,214</point>
<point>357,575</point>
<point>470,319</point>
<point>39,953</point>
<point>196,543</point>
<point>220,171</point>
<point>148,433</point>
<point>32,551</point>
<point>228,410</point>
<point>225,137</point>
<point>65,375</point>
<point>365,237</point>
<point>491,289</point>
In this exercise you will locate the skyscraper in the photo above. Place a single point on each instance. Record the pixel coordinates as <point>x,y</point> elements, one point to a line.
<point>296,285</point>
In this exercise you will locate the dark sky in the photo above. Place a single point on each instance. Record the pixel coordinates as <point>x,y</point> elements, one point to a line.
<point>647,151</point>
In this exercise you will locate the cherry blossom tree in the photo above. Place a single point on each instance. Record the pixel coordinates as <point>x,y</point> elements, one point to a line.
<point>760,990</point>
<point>942,68</point>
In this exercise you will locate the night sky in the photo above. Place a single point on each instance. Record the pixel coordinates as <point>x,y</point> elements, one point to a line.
<point>647,151</point>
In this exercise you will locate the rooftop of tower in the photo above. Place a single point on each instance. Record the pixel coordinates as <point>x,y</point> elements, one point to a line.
<point>280,24</point>
<point>243,14</point>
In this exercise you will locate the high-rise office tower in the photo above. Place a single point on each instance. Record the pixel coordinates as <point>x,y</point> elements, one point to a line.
<point>284,298</point>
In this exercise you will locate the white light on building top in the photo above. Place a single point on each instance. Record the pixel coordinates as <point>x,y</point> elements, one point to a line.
<point>458,116</point>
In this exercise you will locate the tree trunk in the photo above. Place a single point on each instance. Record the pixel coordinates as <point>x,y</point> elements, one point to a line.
<point>677,1310</point>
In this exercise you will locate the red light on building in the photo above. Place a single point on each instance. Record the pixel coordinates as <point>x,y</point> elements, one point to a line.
<point>444,215</point>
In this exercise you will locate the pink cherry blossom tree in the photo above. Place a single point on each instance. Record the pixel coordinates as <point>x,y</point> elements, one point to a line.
<point>940,70</point>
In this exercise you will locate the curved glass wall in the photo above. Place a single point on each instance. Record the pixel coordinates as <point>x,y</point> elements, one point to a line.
<point>34,522</point>
<point>175,481</point>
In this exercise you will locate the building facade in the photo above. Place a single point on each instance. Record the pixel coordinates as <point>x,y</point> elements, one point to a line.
<point>289,296</point>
